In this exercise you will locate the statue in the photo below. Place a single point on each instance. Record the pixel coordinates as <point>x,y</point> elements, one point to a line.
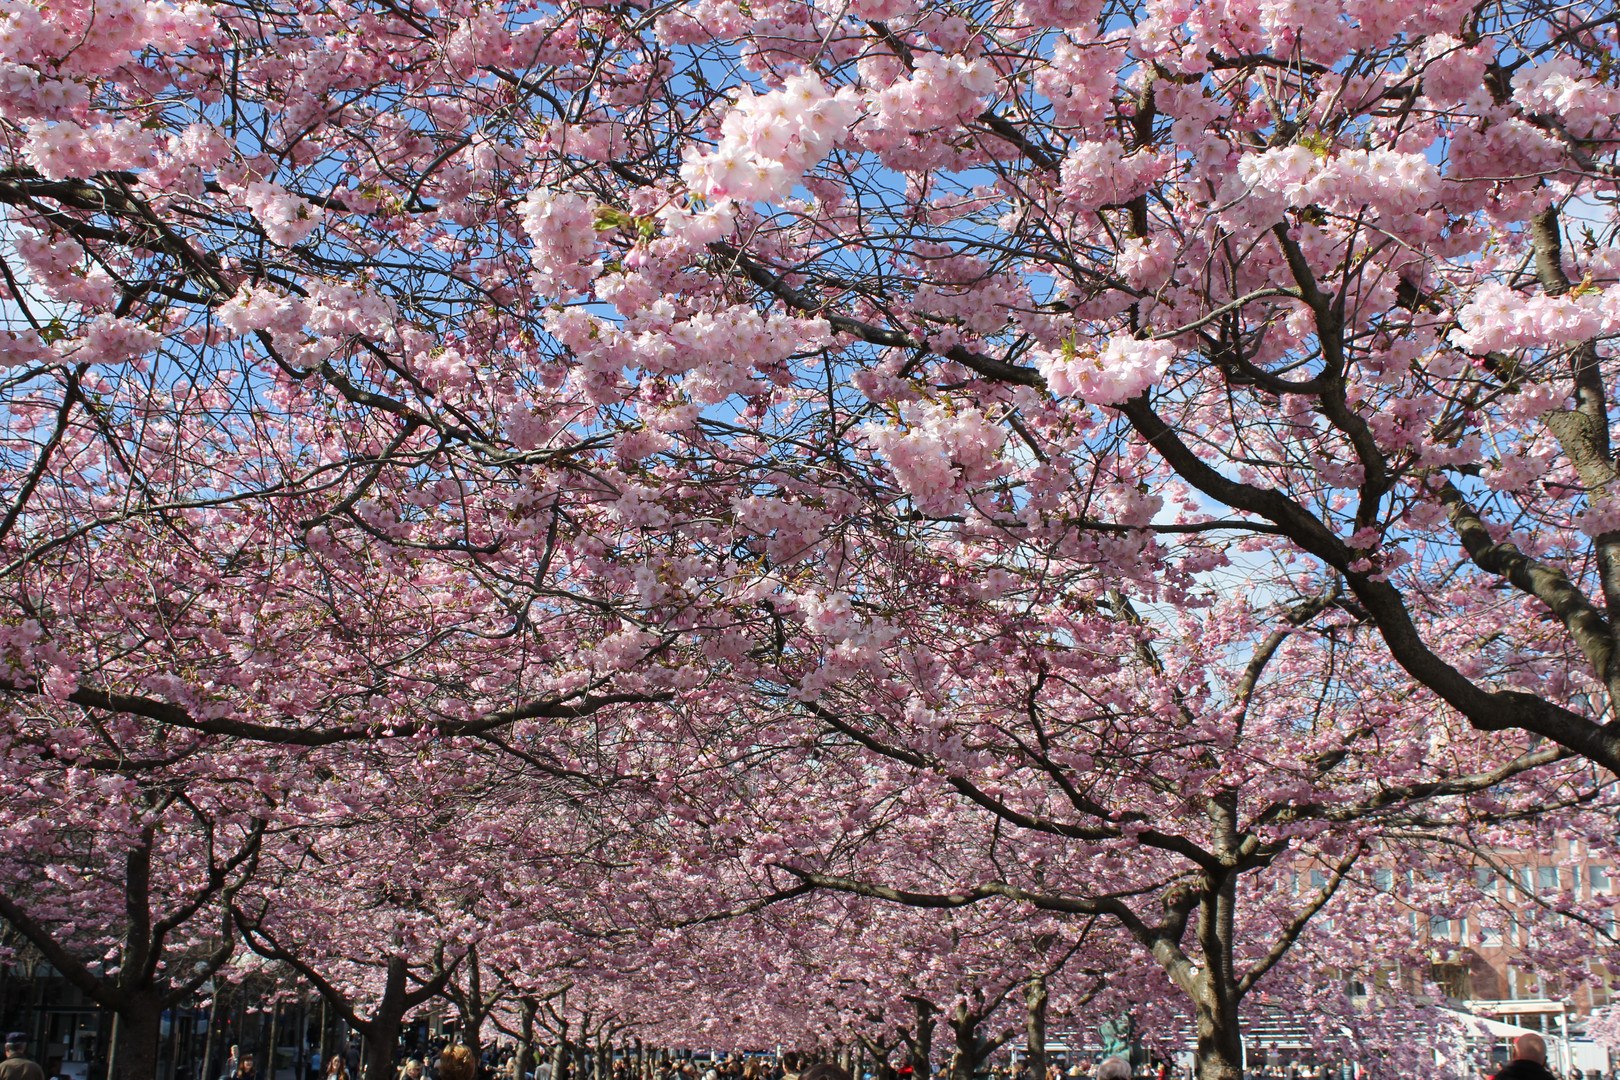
<point>1115,1035</point>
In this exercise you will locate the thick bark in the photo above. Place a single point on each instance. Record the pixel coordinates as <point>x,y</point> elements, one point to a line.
<point>921,1039</point>
<point>139,1024</point>
<point>1220,1041</point>
<point>1035,999</point>
<point>559,1053</point>
<point>382,1042</point>
<point>525,1048</point>
<point>965,1027</point>
<point>472,1006</point>
<point>267,1060</point>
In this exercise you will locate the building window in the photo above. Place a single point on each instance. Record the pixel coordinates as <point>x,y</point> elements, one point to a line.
<point>1547,878</point>
<point>1599,878</point>
<point>1383,879</point>
<point>1485,880</point>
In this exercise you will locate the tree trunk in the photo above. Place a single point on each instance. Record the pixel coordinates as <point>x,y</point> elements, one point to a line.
<point>208,1040</point>
<point>525,1049</point>
<point>472,1036</point>
<point>922,1042</point>
<point>326,1040</point>
<point>138,1028</point>
<point>268,1071</point>
<point>381,1041</point>
<point>559,1054</point>
<point>301,1057</point>
<point>1220,1040</point>
<point>1035,998</point>
<point>965,1026</point>
<point>471,1007</point>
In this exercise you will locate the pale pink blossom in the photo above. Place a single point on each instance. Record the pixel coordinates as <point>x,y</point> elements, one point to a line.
<point>1122,370</point>
<point>287,219</point>
<point>939,455</point>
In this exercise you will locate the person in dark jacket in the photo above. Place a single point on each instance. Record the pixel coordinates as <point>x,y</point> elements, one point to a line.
<point>1529,1060</point>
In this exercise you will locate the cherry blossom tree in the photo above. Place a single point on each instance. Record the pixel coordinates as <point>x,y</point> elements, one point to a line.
<point>1167,441</point>
<point>122,883</point>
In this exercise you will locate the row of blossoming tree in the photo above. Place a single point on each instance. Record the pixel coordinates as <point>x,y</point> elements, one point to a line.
<point>846,522</point>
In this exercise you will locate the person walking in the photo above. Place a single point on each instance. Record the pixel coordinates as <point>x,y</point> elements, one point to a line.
<point>17,1066</point>
<point>1529,1060</point>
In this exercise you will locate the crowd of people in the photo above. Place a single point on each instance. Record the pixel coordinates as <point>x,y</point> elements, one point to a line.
<point>442,1059</point>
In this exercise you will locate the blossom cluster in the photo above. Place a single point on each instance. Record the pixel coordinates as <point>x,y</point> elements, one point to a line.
<point>1079,82</point>
<point>66,150</point>
<point>941,91</point>
<point>25,95</point>
<point>1564,87</point>
<point>717,354</point>
<point>940,454</point>
<point>57,265</point>
<point>287,219</point>
<point>90,37</point>
<point>562,226</point>
<point>310,329</point>
<point>791,530</point>
<point>1099,173</point>
<point>1386,181</point>
<point>1499,318</point>
<point>769,141</point>
<point>23,347</point>
<point>1123,369</point>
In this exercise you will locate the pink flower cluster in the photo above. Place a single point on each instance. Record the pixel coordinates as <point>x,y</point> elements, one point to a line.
<point>59,267</point>
<point>791,530</point>
<point>64,149</point>
<point>309,329</point>
<point>1146,264</point>
<point>1125,368</point>
<point>942,91</point>
<point>1453,73</point>
<point>940,454</point>
<point>718,354</point>
<point>286,218</point>
<point>24,94</point>
<point>699,22</point>
<point>1097,174</point>
<point>1076,14</point>
<point>1079,82</point>
<point>1564,87</point>
<point>768,142</point>
<point>20,348</point>
<point>563,229</point>
<point>1499,318</point>
<point>262,309</point>
<point>1386,181</point>
<point>109,340</point>
<point>92,37</point>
